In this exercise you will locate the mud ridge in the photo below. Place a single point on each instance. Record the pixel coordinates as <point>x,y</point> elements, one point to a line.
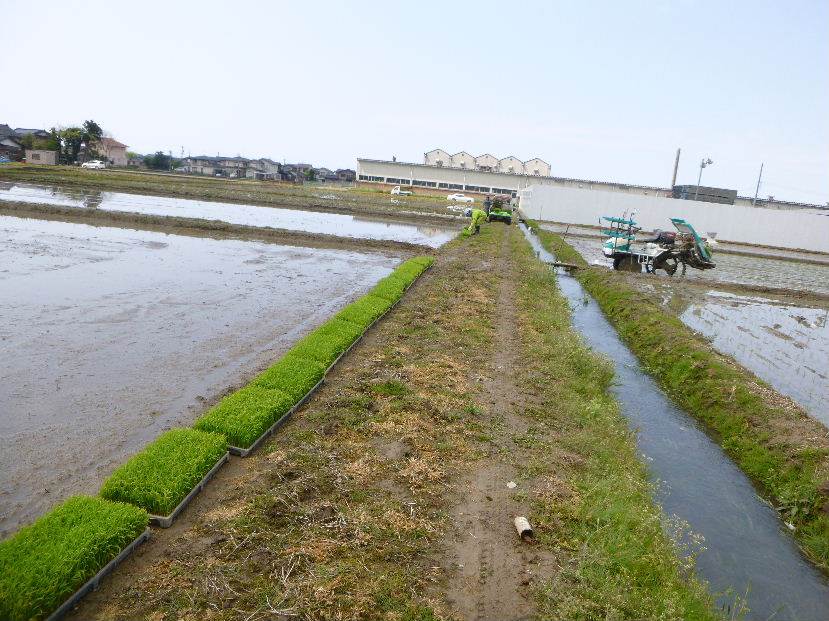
<point>196,227</point>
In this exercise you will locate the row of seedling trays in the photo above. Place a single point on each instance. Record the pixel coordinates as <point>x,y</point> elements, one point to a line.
<point>47,567</point>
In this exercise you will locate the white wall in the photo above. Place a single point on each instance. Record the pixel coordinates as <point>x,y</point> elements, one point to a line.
<point>803,229</point>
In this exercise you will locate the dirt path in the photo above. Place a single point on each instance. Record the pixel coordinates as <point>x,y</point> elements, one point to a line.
<point>490,571</point>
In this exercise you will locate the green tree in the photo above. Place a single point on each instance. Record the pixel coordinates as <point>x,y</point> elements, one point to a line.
<point>70,140</point>
<point>158,161</point>
<point>311,174</point>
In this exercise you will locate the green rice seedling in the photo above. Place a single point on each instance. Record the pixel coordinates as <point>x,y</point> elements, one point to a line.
<point>328,341</point>
<point>160,476</point>
<point>246,414</point>
<point>293,375</point>
<point>391,288</point>
<point>43,564</point>
<point>364,311</point>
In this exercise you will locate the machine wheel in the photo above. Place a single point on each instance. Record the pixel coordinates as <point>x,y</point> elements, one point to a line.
<point>626,264</point>
<point>669,264</point>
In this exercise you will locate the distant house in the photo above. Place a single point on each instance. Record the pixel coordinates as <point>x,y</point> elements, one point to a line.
<point>232,167</point>
<point>36,133</point>
<point>41,156</point>
<point>346,174</point>
<point>136,161</point>
<point>112,151</point>
<point>10,145</point>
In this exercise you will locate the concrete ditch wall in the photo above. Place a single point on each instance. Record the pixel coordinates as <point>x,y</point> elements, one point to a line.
<point>802,229</point>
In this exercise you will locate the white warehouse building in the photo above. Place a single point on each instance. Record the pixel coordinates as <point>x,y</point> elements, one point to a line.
<point>487,163</point>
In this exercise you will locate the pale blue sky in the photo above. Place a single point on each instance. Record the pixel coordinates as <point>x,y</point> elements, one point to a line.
<point>601,90</point>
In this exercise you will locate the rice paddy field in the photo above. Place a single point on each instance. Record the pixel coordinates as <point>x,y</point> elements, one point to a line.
<point>109,336</point>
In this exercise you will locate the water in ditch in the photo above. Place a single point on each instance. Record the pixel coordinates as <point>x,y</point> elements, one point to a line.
<point>749,559</point>
<point>360,227</point>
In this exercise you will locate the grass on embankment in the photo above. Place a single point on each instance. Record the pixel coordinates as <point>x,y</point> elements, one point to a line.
<point>360,199</point>
<point>621,564</point>
<point>784,451</point>
<point>159,477</point>
<point>46,562</point>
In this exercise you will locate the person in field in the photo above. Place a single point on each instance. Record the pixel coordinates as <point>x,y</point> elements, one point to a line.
<point>478,217</point>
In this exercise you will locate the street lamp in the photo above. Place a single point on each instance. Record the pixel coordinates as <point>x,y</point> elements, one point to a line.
<point>705,162</point>
<point>83,151</point>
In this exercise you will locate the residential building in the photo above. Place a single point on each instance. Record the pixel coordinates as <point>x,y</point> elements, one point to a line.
<point>537,168</point>
<point>41,156</point>
<point>37,133</point>
<point>346,174</point>
<point>511,165</point>
<point>112,151</point>
<point>463,160</point>
<point>135,161</point>
<point>10,145</point>
<point>232,167</point>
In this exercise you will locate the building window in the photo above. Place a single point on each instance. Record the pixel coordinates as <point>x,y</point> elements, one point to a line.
<point>35,156</point>
<point>370,178</point>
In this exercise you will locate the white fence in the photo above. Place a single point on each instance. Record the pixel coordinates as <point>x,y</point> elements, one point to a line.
<point>802,229</point>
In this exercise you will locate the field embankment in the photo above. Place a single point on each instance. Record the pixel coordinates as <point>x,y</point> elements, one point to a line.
<point>333,198</point>
<point>353,509</point>
<point>783,450</point>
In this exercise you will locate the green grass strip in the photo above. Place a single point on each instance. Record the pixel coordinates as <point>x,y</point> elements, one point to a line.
<point>246,414</point>
<point>720,394</point>
<point>43,564</point>
<point>160,476</point>
<point>293,375</point>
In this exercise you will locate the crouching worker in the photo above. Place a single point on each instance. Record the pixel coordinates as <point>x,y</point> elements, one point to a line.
<point>478,216</point>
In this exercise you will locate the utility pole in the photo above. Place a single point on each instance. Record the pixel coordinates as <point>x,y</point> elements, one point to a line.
<point>676,168</point>
<point>757,189</point>
<point>705,162</point>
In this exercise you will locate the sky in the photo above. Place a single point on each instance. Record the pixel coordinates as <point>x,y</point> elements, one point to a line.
<point>600,90</point>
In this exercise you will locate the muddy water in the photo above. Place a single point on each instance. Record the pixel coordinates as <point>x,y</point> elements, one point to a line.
<point>755,271</point>
<point>251,215</point>
<point>110,336</point>
<point>749,556</point>
<point>786,345</point>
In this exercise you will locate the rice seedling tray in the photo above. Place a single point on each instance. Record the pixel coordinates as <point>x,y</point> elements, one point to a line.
<point>244,452</point>
<point>165,521</point>
<point>92,584</point>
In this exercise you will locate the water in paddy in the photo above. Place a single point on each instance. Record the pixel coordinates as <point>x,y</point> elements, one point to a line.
<point>748,551</point>
<point>109,336</point>
<point>786,345</point>
<point>360,227</point>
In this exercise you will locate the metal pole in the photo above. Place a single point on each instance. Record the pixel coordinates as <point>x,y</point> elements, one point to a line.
<point>676,167</point>
<point>699,178</point>
<point>757,189</point>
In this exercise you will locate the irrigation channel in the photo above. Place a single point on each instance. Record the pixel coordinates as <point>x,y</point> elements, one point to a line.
<point>109,336</point>
<point>358,227</point>
<point>749,559</point>
<point>783,341</point>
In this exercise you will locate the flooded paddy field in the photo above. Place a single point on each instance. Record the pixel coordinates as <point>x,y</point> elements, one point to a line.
<point>108,336</point>
<point>769,315</point>
<point>427,232</point>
